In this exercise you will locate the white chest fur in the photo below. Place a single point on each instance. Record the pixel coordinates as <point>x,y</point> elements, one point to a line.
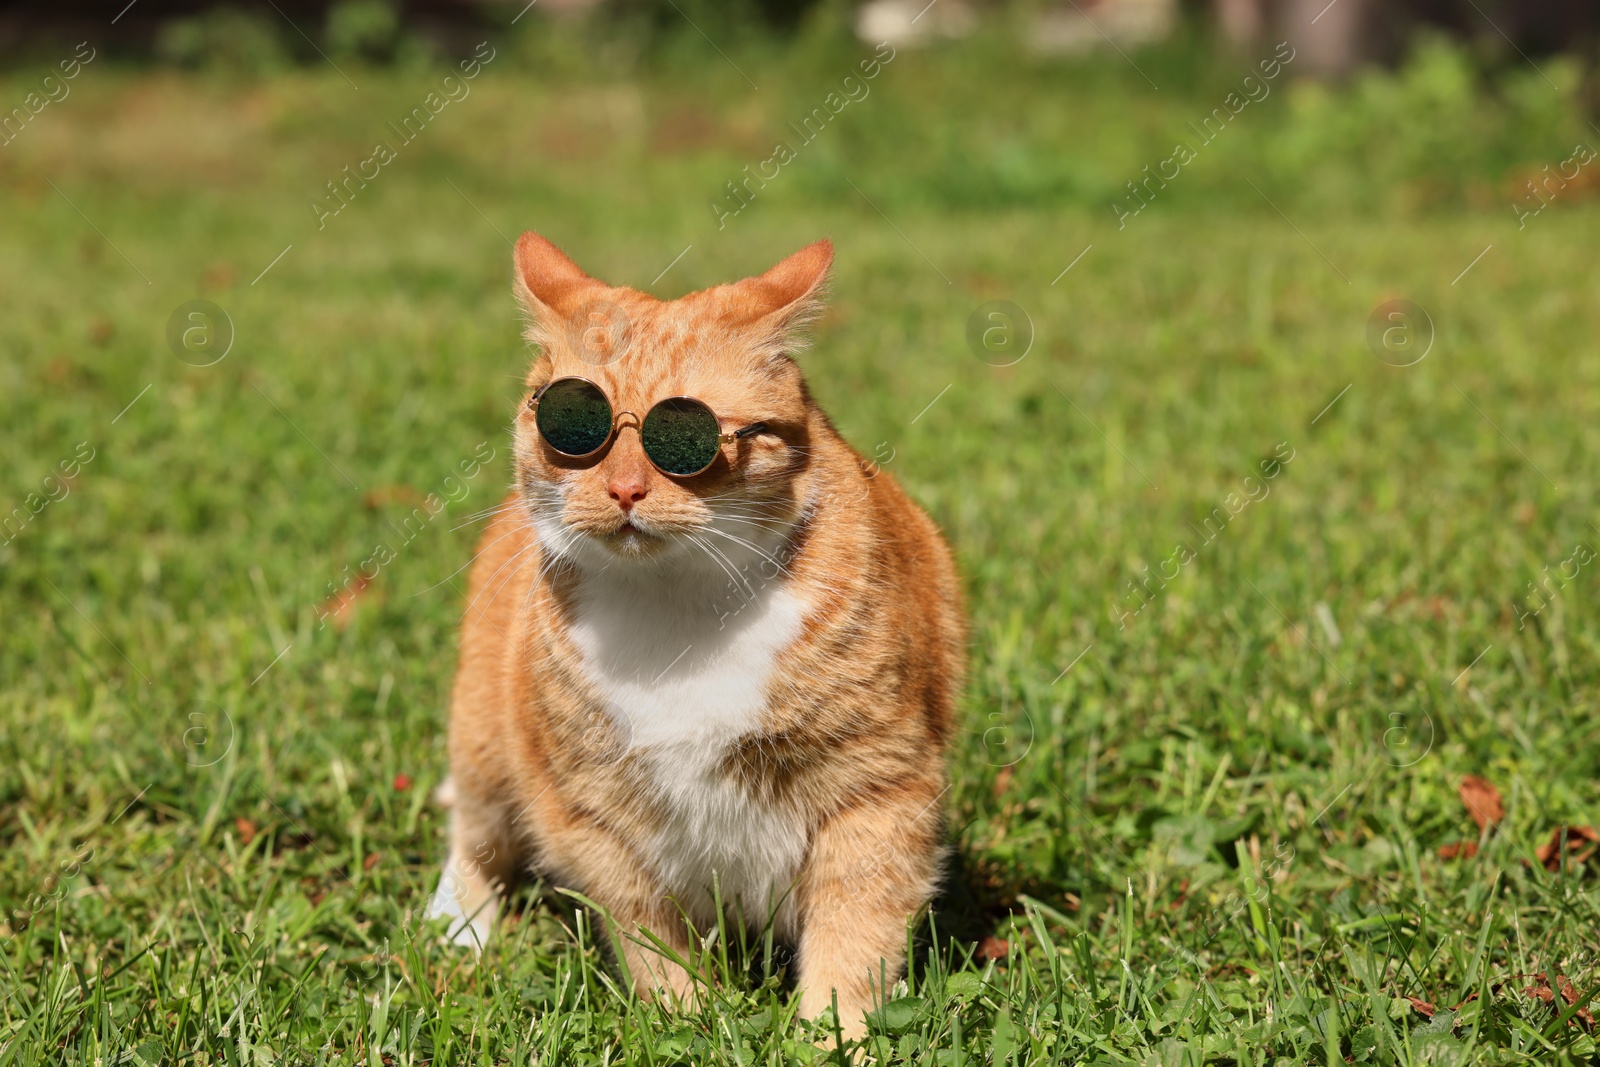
<point>684,677</point>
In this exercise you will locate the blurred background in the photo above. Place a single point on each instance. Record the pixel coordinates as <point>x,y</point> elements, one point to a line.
<point>1100,265</point>
<point>1335,38</point>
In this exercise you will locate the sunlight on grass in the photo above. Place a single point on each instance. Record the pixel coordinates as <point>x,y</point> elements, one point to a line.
<point>1218,719</point>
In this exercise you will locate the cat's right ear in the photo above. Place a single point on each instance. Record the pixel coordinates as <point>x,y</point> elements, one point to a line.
<point>549,284</point>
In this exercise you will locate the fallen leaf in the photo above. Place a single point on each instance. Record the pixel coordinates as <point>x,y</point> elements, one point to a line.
<point>1423,1008</point>
<point>1550,853</point>
<point>1540,989</point>
<point>1459,850</point>
<point>374,499</point>
<point>1570,994</point>
<point>341,605</point>
<point>402,782</point>
<point>993,948</point>
<point>1482,800</point>
<point>218,276</point>
<point>370,862</point>
<point>1002,780</point>
<point>247,830</point>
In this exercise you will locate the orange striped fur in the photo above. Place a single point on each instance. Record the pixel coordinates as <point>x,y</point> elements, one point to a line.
<point>739,686</point>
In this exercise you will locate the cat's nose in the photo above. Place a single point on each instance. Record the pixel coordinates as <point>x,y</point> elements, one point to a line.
<point>627,490</point>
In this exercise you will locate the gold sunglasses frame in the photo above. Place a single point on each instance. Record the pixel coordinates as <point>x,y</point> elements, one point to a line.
<point>616,419</point>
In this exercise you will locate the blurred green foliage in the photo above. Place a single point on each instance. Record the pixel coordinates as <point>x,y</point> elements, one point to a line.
<point>249,43</point>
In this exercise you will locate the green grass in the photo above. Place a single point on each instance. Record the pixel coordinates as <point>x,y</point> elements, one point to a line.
<point>1212,839</point>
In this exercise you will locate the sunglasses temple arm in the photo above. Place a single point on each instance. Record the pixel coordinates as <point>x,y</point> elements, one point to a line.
<point>753,428</point>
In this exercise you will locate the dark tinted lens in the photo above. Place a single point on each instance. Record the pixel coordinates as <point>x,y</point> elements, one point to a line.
<point>574,417</point>
<point>680,436</point>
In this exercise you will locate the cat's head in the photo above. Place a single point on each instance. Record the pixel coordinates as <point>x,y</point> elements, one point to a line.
<point>727,347</point>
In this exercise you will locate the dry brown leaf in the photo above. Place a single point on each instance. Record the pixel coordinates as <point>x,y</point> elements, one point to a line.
<point>1550,853</point>
<point>1540,989</point>
<point>1423,1007</point>
<point>1570,994</point>
<point>247,830</point>
<point>218,276</point>
<point>1482,800</point>
<point>1459,850</point>
<point>993,948</point>
<point>374,499</point>
<point>342,605</point>
<point>370,862</point>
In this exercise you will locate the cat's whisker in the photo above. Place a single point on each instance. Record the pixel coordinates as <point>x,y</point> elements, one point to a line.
<point>734,506</point>
<point>765,526</point>
<point>489,513</point>
<point>750,545</point>
<point>747,512</point>
<point>721,560</point>
<point>467,564</point>
<point>532,546</point>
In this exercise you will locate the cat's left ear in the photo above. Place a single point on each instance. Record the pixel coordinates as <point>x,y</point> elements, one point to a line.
<point>547,281</point>
<point>785,297</point>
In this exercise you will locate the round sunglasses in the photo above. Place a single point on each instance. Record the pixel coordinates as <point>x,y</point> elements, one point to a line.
<point>681,435</point>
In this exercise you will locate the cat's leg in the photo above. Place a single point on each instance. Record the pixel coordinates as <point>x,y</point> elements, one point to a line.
<point>481,862</point>
<point>598,862</point>
<point>869,869</point>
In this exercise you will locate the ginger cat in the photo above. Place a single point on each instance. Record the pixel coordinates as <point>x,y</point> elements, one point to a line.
<point>737,682</point>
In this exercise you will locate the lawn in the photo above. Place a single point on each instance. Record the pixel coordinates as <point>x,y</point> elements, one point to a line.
<point>1251,601</point>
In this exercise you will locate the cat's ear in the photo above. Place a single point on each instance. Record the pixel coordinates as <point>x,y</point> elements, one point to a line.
<point>785,297</point>
<point>548,283</point>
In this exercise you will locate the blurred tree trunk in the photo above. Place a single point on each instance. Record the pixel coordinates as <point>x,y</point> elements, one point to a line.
<point>1330,37</point>
<point>1242,21</point>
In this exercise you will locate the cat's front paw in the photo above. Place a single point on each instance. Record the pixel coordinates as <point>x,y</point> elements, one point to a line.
<point>466,929</point>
